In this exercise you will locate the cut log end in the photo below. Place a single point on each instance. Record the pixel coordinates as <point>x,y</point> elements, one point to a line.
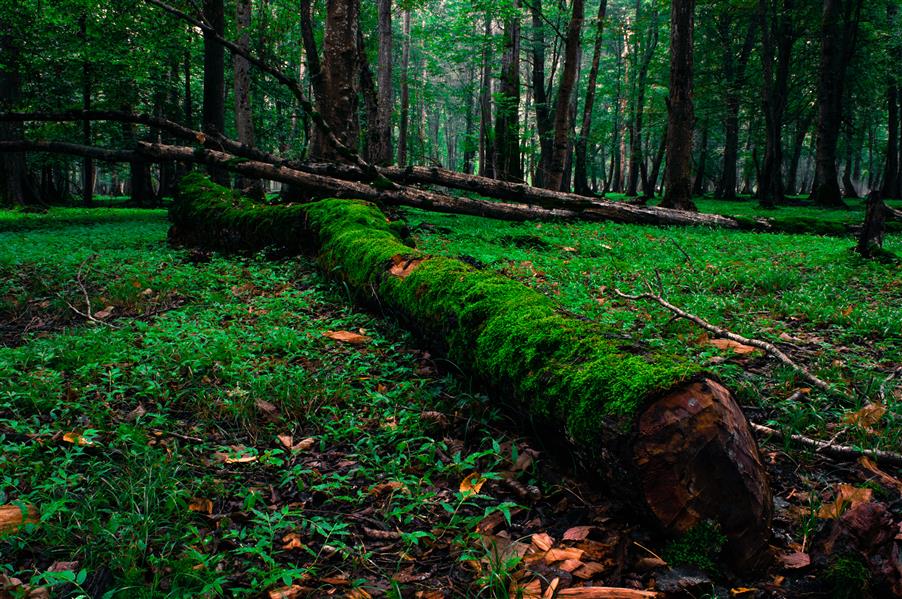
<point>698,461</point>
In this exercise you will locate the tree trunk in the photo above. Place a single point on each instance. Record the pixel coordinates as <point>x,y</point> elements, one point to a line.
<point>635,128</point>
<point>311,53</point>
<point>507,113</point>
<point>244,118</point>
<point>12,165</point>
<point>698,188</point>
<point>680,111</point>
<point>663,431</point>
<point>839,28</point>
<point>214,81</point>
<point>656,167</point>
<point>373,143</point>
<point>486,166</point>
<point>792,184</point>
<point>405,93</point>
<point>543,113</point>
<point>891,170</point>
<point>382,154</point>
<point>734,75</point>
<point>87,169</point>
<point>470,144</point>
<point>580,179</point>
<point>561,141</point>
<point>340,71</point>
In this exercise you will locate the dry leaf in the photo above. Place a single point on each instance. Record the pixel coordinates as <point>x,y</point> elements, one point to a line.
<point>240,456</point>
<point>358,594</point>
<point>741,592</point>
<point>136,413</point>
<point>605,593</point>
<point>524,460</point>
<point>303,444</point>
<point>550,592</point>
<point>542,541</point>
<point>63,567</point>
<point>735,347</point>
<point>471,484</point>
<point>12,517</point>
<point>201,505</point>
<point>867,416</point>
<point>293,591</point>
<point>346,337</point>
<point>869,465</point>
<point>76,439</point>
<point>577,533</point>
<point>292,541</point>
<point>561,554</point>
<point>429,595</point>
<point>847,496</point>
<point>382,488</point>
<point>105,313</point>
<point>795,560</point>
<point>265,407</point>
<point>589,570</point>
<point>569,249</point>
<point>285,440</point>
<point>569,565</point>
<point>530,590</point>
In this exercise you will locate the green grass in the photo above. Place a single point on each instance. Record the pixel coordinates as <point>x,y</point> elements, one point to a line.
<point>842,313</point>
<point>158,398</point>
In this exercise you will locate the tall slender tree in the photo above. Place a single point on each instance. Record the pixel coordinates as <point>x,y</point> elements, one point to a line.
<point>244,118</point>
<point>405,92</point>
<point>507,112</point>
<point>681,117</point>
<point>562,123</point>
<point>580,176</point>
<point>839,35</point>
<point>382,154</point>
<point>214,79</point>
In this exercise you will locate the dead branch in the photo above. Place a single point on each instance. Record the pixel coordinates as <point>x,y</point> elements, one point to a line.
<point>88,313</point>
<point>770,348</point>
<point>839,452</point>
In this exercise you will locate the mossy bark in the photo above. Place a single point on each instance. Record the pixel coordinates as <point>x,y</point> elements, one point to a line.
<point>632,415</point>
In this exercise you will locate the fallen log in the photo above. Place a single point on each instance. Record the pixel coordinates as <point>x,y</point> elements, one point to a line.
<point>657,425</point>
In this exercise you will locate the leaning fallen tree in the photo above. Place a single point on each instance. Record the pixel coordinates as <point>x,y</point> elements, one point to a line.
<point>652,422</point>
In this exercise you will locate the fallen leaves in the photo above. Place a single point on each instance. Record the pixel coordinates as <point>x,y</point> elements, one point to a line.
<point>200,505</point>
<point>76,439</point>
<point>13,516</point>
<point>869,465</point>
<point>847,497</point>
<point>287,441</point>
<point>402,266</point>
<point>795,560</point>
<point>347,337</point>
<point>239,455</point>
<point>866,417</point>
<point>472,484</point>
<point>733,346</point>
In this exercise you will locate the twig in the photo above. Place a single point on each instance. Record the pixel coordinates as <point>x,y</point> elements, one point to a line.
<point>84,290</point>
<point>840,452</point>
<point>770,348</point>
<point>881,393</point>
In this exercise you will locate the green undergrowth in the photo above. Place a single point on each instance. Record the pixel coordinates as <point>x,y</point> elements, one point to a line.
<point>152,451</point>
<point>561,369</point>
<point>56,218</point>
<point>833,311</point>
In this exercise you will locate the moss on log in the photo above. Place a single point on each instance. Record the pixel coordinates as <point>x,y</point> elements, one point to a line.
<point>650,421</point>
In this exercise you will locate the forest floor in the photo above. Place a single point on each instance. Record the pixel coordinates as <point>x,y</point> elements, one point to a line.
<point>190,424</point>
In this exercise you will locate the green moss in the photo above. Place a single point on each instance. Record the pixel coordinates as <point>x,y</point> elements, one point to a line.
<point>517,340</point>
<point>699,547</point>
<point>848,577</point>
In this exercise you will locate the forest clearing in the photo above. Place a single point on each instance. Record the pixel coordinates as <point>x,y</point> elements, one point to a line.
<point>451,298</point>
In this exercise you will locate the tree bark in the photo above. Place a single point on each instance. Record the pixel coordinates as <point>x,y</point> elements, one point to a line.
<point>891,177</point>
<point>470,144</point>
<point>486,136</point>
<point>244,118</point>
<point>580,177</point>
<point>507,113</point>
<point>214,79</point>
<point>370,96</point>
<point>698,187</point>
<point>311,52</point>
<point>543,113</point>
<point>382,153</point>
<point>681,117</point>
<point>12,165</point>
<point>778,38</point>
<point>561,140</point>
<point>839,29</point>
<point>339,81</point>
<point>734,70</point>
<point>87,168</point>
<point>405,93</point>
<point>635,127</point>
<point>676,439</point>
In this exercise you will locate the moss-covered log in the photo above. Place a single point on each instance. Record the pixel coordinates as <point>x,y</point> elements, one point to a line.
<point>649,421</point>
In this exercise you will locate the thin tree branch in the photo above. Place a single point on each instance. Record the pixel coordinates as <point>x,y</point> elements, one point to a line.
<point>840,452</point>
<point>770,348</point>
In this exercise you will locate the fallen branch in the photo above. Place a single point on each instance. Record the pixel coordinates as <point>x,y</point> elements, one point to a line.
<point>770,348</point>
<point>839,452</point>
<point>88,313</point>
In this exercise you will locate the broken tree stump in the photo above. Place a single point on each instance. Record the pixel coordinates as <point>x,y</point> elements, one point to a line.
<point>652,423</point>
